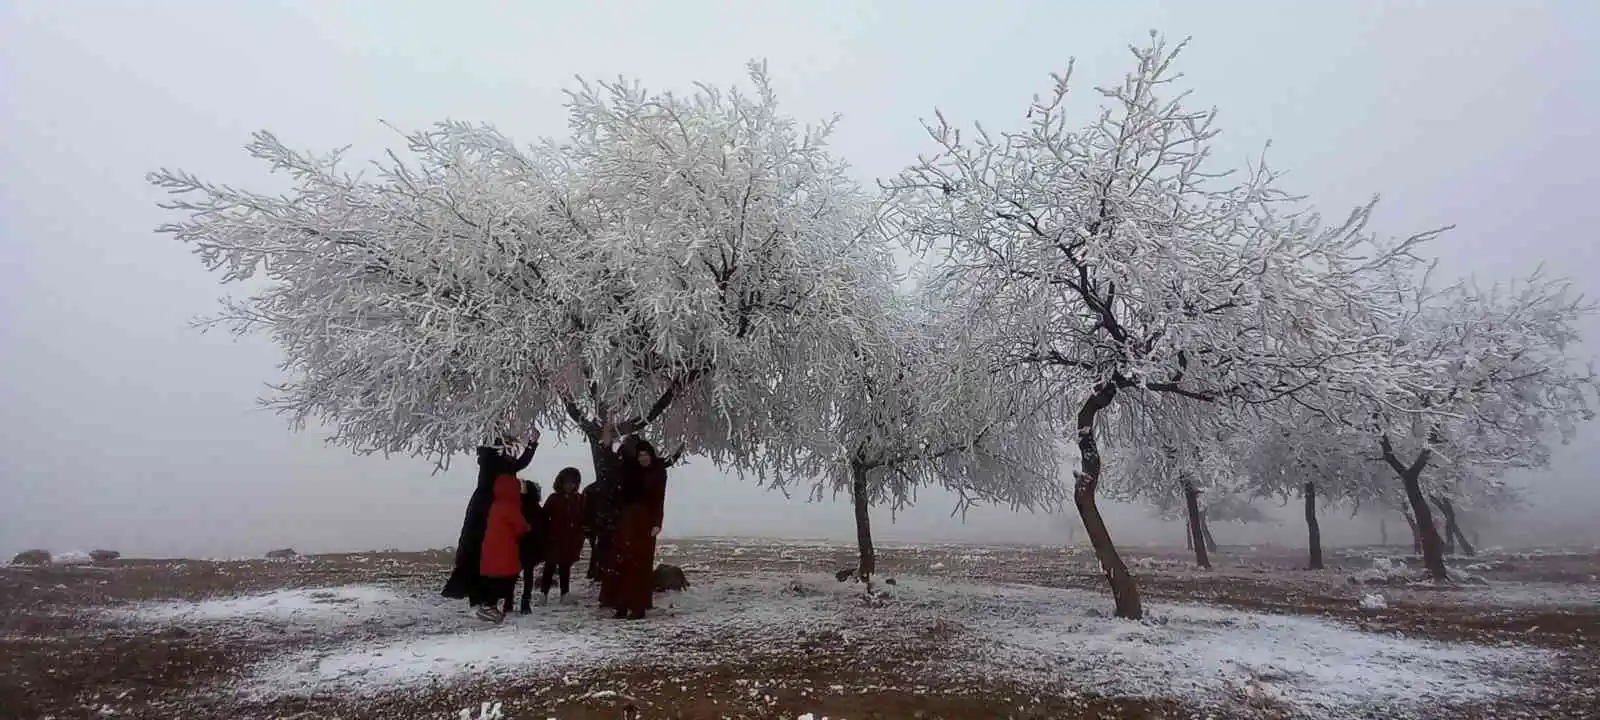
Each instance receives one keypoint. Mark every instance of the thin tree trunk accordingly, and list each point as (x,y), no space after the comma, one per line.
(1205,532)
(1188,532)
(1416,535)
(1411,478)
(862,498)
(1191,500)
(1448,536)
(1313,530)
(1383,533)
(1124,589)
(1452,528)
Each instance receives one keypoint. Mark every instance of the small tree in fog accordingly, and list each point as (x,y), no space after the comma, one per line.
(930,412)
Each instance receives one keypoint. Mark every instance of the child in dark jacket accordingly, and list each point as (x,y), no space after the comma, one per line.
(565,527)
(532,546)
(500,559)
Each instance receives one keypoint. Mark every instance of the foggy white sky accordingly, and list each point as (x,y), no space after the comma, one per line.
(122,427)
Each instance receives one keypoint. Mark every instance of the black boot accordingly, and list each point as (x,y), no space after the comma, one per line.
(620,615)
(527,609)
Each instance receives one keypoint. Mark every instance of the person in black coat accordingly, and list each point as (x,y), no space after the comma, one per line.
(493,461)
(530,548)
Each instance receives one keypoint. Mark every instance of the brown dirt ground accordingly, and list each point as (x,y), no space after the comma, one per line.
(56,662)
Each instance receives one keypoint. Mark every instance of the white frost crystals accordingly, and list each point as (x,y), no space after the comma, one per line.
(658,265)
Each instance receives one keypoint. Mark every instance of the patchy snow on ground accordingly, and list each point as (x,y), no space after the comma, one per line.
(374,667)
(1317,666)
(1383,571)
(290,609)
(72,557)
(366,640)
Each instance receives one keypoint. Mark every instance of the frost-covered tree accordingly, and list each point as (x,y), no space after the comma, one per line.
(931,412)
(1489,377)
(1120,263)
(683,262)
(1291,452)
(1179,459)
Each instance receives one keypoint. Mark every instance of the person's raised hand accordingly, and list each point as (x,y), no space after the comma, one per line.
(533,436)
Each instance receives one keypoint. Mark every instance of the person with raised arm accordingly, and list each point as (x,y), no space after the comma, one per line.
(499,457)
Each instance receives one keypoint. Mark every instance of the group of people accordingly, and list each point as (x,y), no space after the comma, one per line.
(507,532)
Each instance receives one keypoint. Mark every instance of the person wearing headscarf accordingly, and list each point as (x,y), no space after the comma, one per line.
(641,499)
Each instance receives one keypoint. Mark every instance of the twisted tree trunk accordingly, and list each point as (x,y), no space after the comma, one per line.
(1313,530)
(1124,589)
(1411,478)
(1452,529)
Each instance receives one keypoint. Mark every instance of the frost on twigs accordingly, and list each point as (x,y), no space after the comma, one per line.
(1113,261)
(924,408)
(687,261)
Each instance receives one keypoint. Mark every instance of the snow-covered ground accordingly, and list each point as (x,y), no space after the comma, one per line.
(381,638)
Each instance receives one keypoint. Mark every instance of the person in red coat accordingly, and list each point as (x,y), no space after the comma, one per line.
(500,559)
(641,500)
(564,531)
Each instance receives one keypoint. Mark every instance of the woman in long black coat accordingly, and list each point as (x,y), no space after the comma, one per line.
(493,462)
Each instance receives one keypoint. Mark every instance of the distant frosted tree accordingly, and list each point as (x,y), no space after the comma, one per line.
(932,412)
(682,262)
(1488,378)
(1296,453)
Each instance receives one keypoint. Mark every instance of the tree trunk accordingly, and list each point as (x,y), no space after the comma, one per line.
(1188,532)
(1411,478)
(1313,530)
(1205,532)
(1383,532)
(1448,536)
(1416,535)
(1452,529)
(1124,589)
(599,456)
(1191,499)
(861,495)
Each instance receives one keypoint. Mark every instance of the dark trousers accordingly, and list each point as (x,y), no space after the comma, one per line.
(550,571)
(527,587)
(491,590)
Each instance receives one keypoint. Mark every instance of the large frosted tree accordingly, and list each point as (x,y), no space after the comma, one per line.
(1117,258)
(672,264)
